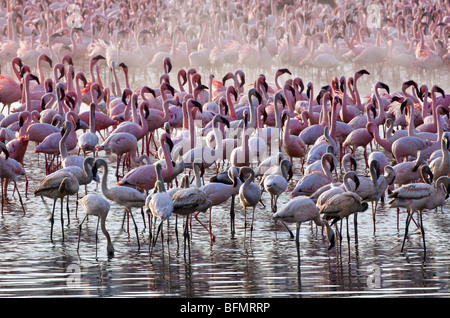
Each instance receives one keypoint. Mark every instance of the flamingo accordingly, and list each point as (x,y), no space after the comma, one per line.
(159,203)
(419,197)
(57,185)
(441,165)
(358,138)
(88,140)
(329,190)
(125,196)
(408,171)
(249,192)
(219,193)
(9,169)
(300,210)
(275,181)
(67,159)
(190,200)
(96,205)
(122,143)
(294,146)
(144,177)
(308,184)
(10,91)
(208,155)
(341,206)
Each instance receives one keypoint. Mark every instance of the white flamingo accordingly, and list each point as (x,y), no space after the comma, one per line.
(301,210)
(249,192)
(96,205)
(122,195)
(419,197)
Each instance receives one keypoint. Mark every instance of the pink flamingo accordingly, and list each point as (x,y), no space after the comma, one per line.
(156,120)
(50,145)
(218,193)
(10,91)
(294,146)
(139,126)
(186,138)
(102,121)
(372,128)
(144,177)
(431,126)
(311,133)
(9,169)
(68,160)
(13,117)
(302,210)
(309,184)
(358,138)
(408,171)
(348,112)
(122,143)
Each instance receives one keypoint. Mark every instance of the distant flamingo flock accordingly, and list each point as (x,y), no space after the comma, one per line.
(164,93)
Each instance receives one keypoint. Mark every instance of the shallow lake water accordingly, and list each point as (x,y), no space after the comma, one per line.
(258,263)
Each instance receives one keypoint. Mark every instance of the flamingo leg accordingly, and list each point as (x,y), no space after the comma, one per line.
(3,198)
(297,244)
(20,197)
(423,234)
(187,237)
(408,219)
(135,228)
(62,218)
(232,215)
(52,219)
(79,231)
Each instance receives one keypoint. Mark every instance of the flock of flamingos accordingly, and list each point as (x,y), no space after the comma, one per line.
(75,90)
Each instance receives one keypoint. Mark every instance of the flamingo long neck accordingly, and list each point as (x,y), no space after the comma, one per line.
(168,159)
(166,111)
(230,103)
(410,118)
(143,121)
(347,184)
(352,96)
(191,128)
(218,149)
(198,180)
(41,73)
(289,102)
(109,245)
(92,119)
(406,94)
(311,101)
(440,129)
(373,175)
(134,116)
(357,97)
(91,70)
(287,135)
(105,189)
(245,146)
(116,80)
(333,123)
(324,115)
(69,79)
(434,105)
(27,95)
(345,112)
(381,116)
(383,142)
(78,87)
(62,144)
